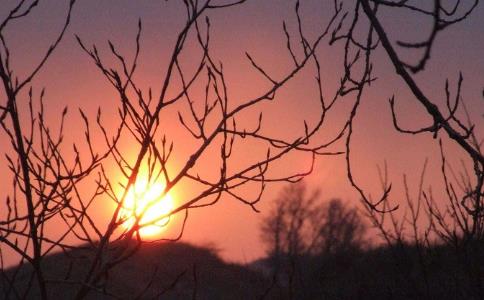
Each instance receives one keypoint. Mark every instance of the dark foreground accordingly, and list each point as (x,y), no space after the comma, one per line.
(182,271)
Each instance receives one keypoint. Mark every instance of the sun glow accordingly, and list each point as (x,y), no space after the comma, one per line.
(146,202)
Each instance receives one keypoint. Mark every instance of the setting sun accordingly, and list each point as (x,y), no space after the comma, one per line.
(146,201)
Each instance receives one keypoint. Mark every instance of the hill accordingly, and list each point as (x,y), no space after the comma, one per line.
(183,271)
(167,270)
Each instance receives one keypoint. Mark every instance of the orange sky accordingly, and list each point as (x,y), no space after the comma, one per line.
(71,79)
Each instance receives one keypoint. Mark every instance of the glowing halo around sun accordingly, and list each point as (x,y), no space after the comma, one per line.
(146,201)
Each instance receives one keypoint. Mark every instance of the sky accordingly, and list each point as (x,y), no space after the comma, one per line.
(70,78)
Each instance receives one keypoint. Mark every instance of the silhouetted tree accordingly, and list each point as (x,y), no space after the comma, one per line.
(48,179)
(361,35)
(301,223)
(427,221)
(301,231)
(293,222)
(342,229)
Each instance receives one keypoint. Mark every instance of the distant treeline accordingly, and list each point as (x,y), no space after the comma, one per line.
(182,271)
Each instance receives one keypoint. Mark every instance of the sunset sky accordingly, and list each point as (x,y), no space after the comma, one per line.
(70,78)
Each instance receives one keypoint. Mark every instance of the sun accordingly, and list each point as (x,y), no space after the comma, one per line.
(145,200)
